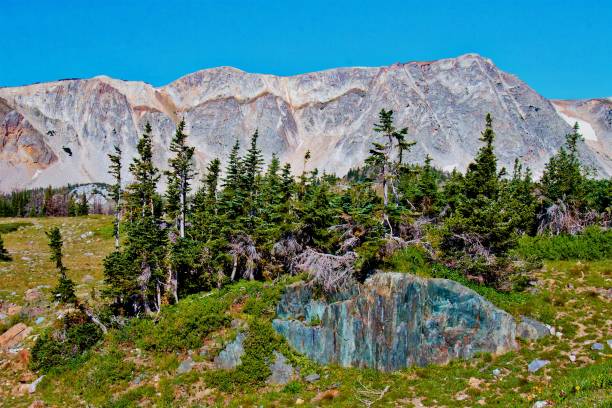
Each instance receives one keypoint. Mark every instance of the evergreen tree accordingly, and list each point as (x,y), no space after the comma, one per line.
(481,177)
(427,195)
(115,172)
(563,177)
(64,291)
(136,276)
(381,154)
(4,255)
(82,207)
(179,177)
(146,175)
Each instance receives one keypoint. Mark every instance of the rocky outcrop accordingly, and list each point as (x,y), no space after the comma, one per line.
(392,321)
(330,113)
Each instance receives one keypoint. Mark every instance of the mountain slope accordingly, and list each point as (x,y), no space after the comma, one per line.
(330,113)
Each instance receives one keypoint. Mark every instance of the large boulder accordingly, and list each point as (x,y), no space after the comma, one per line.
(392,321)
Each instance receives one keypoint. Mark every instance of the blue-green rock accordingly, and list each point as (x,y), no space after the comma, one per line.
(392,321)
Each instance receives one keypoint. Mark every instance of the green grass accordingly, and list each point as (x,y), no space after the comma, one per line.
(568,295)
(593,244)
(6,227)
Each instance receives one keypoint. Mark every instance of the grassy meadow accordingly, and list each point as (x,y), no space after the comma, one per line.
(137,365)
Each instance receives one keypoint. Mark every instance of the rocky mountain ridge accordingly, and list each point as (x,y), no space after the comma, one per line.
(60,132)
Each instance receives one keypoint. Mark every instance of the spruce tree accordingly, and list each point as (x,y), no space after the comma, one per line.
(564,177)
(179,177)
(381,154)
(146,175)
(115,192)
(481,177)
(4,255)
(82,207)
(64,291)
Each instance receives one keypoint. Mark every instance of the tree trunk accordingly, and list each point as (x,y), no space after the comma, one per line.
(182,209)
(235,267)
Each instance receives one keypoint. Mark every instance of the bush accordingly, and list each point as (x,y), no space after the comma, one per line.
(56,347)
(179,327)
(411,260)
(593,244)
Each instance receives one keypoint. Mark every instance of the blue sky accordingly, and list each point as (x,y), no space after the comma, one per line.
(563,49)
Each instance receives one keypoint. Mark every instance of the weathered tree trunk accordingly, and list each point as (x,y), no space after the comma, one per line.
(143,279)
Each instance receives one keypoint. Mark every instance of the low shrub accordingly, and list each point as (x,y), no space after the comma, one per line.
(179,327)
(58,346)
(592,244)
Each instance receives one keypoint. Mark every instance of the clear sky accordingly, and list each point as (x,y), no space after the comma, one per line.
(561,48)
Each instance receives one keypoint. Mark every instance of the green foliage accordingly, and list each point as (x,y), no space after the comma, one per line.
(4,254)
(592,244)
(564,177)
(7,227)
(56,347)
(179,327)
(411,260)
(64,290)
(259,346)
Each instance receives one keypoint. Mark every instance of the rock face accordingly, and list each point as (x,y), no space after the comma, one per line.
(392,321)
(330,113)
(594,116)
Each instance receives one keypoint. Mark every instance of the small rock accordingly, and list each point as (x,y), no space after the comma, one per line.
(535,365)
(282,371)
(552,330)
(87,279)
(530,329)
(86,234)
(13,310)
(299,401)
(572,358)
(542,404)
(88,254)
(39,320)
(13,336)
(570,286)
(138,379)
(37,404)
(610,343)
(32,295)
(326,395)
(597,347)
(497,372)
(229,357)
(312,378)
(32,387)
(185,366)
(3,316)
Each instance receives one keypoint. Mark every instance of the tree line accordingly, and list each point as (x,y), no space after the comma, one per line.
(250,221)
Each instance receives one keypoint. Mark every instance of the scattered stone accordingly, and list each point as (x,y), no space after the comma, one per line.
(13,310)
(497,372)
(32,387)
(535,365)
(185,366)
(32,295)
(559,334)
(229,357)
(87,279)
(597,347)
(239,324)
(88,254)
(461,396)
(551,329)
(610,343)
(13,336)
(86,234)
(37,404)
(572,358)
(312,378)
(3,316)
(570,286)
(282,371)
(39,320)
(326,395)
(542,404)
(25,258)
(531,329)
(138,379)
(299,401)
